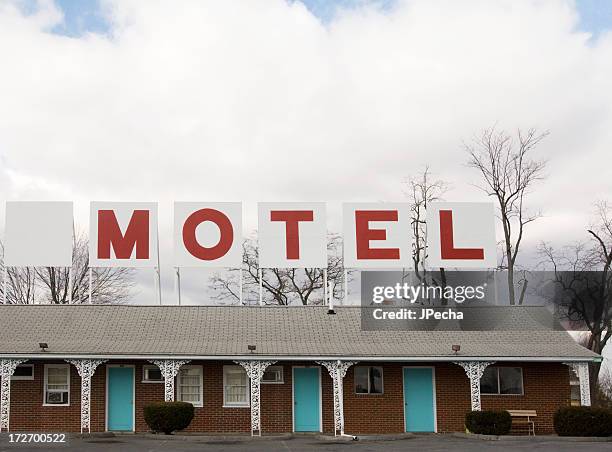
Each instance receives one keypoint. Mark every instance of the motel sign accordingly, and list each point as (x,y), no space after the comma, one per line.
(290,235)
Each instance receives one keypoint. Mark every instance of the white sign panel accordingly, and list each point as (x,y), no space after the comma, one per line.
(377,235)
(207,234)
(461,234)
(38,234)
(123,234)
(292,235)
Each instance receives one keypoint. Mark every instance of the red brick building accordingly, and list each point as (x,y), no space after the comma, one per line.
(274,369)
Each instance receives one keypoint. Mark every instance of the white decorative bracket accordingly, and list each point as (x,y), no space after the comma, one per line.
(169,368)
(474,371)
(7,369)
(255,370)
(582,371)
(337,371)
(86,369)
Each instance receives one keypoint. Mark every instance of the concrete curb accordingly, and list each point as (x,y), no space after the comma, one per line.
(391,437)
(541,438)
(92,435)
(244,438)
(211,438)
(330,438)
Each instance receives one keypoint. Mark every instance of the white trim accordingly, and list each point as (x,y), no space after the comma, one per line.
(493,366)
(422,358)
(574,381)
(47,366)
(199,404)
(280,382)
(434,395)
(150,366)
(20,378)
(247,404)
(293,397)
(133,395)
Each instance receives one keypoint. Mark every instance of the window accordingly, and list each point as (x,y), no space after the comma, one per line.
(575,399)
(273,374)
(151,374)
(24,372)
(368,380)
(502,380)
(235,386)
(189,385)
(57,384)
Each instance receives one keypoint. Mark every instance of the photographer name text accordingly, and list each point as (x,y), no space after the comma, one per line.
(417,314)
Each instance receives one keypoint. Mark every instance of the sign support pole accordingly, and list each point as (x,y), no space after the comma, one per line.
(33,288)
(326,291)
(70,284)
(158,271)
(4,284)
(260,272)
(177,282)
(90,283)
(70,272)
(331,295)
(240,284)
(345,300)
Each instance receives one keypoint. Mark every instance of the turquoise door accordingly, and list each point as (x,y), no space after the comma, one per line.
(419,399)
(120,398)
(306,399)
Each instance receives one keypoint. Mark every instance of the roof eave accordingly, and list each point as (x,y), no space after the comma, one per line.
(421,358)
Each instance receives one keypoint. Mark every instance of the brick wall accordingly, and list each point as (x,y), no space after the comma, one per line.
(27,410)
(375,413)
(546,387)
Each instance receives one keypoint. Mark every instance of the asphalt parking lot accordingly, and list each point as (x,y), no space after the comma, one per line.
(136,443)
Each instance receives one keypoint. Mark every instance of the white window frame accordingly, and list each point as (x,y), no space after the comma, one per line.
(276,382)
(144,374)
(17,377)
(246,404)
(498,393)
(382,374)
(200,369)
(574,383)
(45,382)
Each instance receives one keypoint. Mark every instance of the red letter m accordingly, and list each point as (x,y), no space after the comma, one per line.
(136,234)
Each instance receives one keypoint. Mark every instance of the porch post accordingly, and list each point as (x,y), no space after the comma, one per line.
(582,371)
(474,371)
(7,369)
(86,369)
(169,368)
(255,370)
(337,371)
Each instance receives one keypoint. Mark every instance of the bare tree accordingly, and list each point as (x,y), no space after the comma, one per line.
(421,189)
(51,284)
(603,390)
(583,273)
(281,286)
(20,284)
(508,173)
(335,267)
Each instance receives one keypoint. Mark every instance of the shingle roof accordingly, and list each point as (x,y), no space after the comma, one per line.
(301,332)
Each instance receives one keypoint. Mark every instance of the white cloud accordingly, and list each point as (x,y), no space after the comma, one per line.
(242,100)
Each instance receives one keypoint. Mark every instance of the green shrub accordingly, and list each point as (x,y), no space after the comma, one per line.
(488,422)
(583,421)
(168,416)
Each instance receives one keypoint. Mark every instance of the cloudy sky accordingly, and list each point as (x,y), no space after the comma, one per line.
(276,100)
